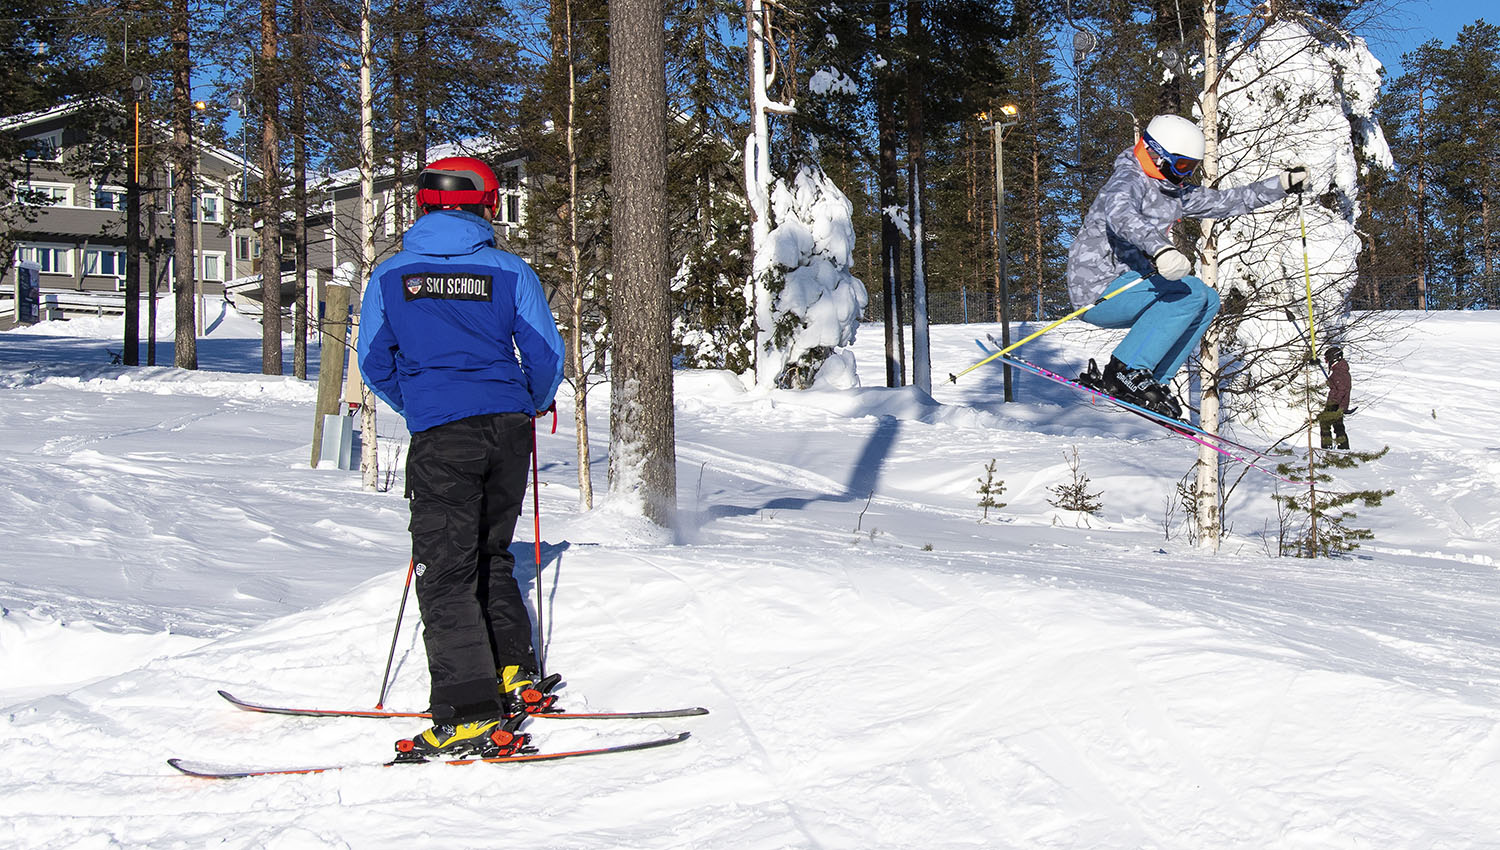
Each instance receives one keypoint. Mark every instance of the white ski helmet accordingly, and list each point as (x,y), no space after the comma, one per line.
(1175,145)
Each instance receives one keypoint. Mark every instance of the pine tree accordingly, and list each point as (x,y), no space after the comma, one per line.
(1315,521)
(1074,495)
(1470,194)
(1412,97)
(1035,183)
(990,491)
(712,324)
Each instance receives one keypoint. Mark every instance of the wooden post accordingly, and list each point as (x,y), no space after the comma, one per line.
(334,348)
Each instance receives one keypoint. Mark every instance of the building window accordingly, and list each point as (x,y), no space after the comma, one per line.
(52,259)
(46,147)
(208,207)
(109,198)
(42,194)
(388,212)
(106,262)
(213,265)
(247,247)
(510,194)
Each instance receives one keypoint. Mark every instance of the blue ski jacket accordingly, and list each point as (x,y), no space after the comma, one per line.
(442,323)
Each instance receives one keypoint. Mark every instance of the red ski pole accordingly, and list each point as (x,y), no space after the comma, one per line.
(536,515)
(385,677)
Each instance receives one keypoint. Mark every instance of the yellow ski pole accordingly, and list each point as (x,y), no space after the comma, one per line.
(953,378)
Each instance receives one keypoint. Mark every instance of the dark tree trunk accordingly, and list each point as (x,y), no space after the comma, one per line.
(299,185)
(890,234)
(270,208)
(642,451)
(186,341)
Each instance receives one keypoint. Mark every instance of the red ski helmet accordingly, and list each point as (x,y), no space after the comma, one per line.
(456,181)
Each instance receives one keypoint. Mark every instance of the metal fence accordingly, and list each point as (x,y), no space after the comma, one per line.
(1480,292)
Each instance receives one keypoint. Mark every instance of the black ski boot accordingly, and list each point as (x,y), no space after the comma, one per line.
(523,692)
(1092,378)
(1139,387)
(1169,405)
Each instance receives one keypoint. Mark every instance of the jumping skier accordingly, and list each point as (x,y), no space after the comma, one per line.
(1126,235)
(440,328)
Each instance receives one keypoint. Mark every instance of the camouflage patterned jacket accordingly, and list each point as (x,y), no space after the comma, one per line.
(1132,218)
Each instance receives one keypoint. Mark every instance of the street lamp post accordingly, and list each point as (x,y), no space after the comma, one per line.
(238,104)
(998,127)
(139,87)
(199,106)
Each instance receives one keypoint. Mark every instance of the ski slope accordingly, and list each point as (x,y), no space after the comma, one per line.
(884,669)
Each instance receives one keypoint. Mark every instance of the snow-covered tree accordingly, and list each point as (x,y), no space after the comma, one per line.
(1296,97)
(808,300)
(1286,93)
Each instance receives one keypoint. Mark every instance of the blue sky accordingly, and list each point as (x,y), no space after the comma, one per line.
(1412,23)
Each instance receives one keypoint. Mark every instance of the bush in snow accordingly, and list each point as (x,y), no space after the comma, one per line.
(1075,495)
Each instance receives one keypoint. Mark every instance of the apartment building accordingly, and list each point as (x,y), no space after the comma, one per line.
(75,229)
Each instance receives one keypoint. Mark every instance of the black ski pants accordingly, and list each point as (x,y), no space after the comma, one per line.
(467,483)
(1332,420)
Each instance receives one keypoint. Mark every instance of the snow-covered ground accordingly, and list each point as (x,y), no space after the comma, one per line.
(884,670)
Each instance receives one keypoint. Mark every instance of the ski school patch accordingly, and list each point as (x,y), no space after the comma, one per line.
(453,287)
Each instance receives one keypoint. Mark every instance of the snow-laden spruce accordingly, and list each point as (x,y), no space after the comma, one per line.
(1297,98)
(808,301)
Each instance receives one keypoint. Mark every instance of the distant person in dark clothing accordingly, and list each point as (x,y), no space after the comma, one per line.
(1331,420)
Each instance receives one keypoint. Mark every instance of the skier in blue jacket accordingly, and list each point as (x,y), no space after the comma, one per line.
(1126,237)
(441,327)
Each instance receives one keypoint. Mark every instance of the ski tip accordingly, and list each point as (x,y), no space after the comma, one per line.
(183,767)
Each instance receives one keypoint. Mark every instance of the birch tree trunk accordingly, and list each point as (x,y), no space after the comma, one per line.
(1207,507)
(369,466)
(563,41)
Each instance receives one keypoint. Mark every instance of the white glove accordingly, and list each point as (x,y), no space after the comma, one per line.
(1295,179)
(1171,263)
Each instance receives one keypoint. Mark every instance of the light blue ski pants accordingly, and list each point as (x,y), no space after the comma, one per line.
(1166,319)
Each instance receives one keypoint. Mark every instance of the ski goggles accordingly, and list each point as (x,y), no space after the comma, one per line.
(1181,166)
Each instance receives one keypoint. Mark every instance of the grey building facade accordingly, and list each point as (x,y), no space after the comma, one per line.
(75,230)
